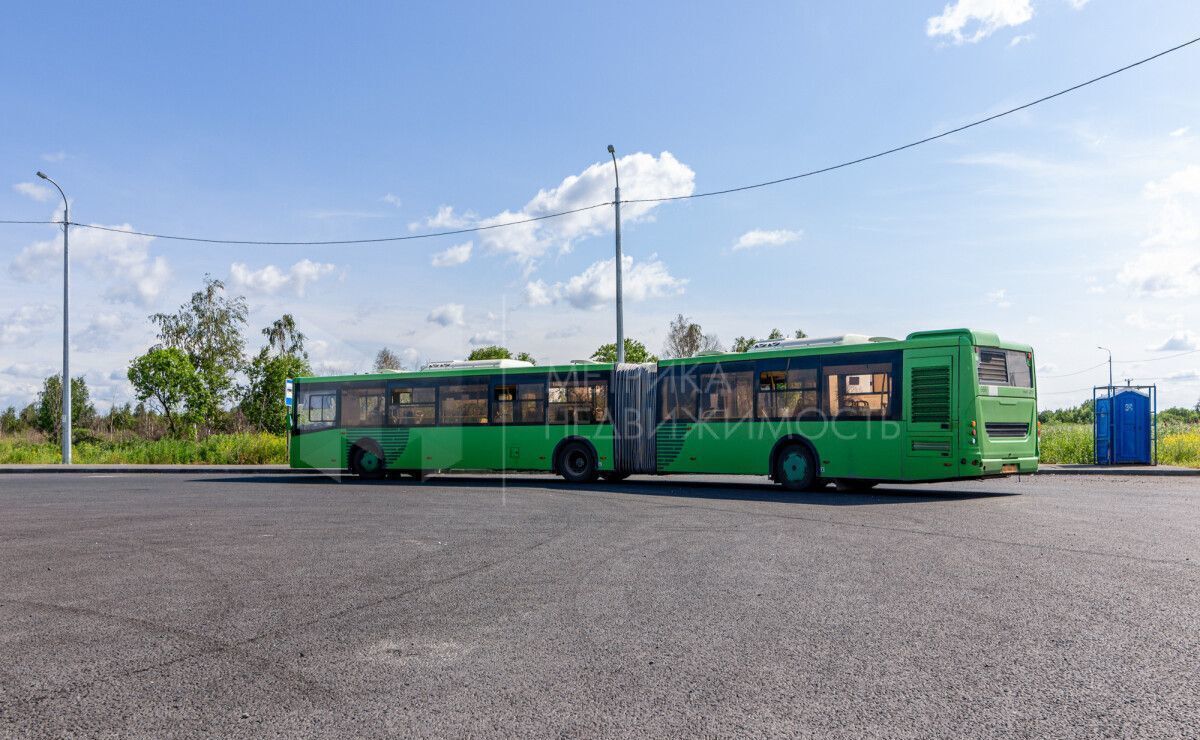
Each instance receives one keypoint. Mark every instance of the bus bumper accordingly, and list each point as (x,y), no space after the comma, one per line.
(1008,465)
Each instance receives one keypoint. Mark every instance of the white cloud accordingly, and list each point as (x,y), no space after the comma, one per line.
(642,176)
(445,218)
(54,156)
(452,256)
(40,193)
(1078,4)
(101,330)
(1047,367)
(1093,285)
(1018,40)
(271,279)
(999,298)
(1169,261)
(1180,341)
(764,238)
(537,293)
(485,337)
(19,324)
(121,258)
(985,17)
(1181,131)
(450,314)
(392,200)
(596,287)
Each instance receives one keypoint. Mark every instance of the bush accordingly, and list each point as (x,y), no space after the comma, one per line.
(1066,443)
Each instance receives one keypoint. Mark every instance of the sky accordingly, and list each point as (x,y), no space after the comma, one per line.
(1072,225)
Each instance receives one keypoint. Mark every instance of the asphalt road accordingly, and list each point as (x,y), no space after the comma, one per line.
(180,606)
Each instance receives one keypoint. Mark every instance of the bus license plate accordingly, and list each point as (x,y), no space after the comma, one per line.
(1008,469)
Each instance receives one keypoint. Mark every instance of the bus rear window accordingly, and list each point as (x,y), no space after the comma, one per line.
(1008,367)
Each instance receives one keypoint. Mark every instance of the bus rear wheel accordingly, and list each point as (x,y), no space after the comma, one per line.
(795,468)
(366,463)
(576,463)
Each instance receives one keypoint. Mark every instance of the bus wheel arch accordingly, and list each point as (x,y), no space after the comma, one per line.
(787,442)
(366,458)
(576,469)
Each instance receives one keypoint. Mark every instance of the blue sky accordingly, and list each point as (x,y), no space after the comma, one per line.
(1072,225)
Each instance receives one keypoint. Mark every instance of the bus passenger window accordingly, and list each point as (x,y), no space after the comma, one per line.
(317,410)
(726,396)
(787,394)
(464,404)
(413,407)
(503,404)
(362,407)
(531,403)
(859,391)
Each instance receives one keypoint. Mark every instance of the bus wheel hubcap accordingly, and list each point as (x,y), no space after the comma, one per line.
(576,462)
(369,461)
(794,466)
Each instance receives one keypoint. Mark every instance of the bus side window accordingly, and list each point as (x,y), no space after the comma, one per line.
(859,391)
(531,403)
(677,393)
(363,407)
(504,399)
(412,407)
(316,410)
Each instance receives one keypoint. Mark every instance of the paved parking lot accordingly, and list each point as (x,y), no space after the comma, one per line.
(181,605)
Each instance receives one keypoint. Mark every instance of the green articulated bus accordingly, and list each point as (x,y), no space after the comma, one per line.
(853,410)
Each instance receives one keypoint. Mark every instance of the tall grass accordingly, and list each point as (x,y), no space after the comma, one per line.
(217,449)
(1178,444)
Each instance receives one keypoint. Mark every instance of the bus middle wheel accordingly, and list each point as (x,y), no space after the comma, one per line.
(576,464)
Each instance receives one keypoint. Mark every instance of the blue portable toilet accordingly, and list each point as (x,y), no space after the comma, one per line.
(1123,428)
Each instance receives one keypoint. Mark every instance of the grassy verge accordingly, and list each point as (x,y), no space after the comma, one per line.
(218,449)
(1178,444)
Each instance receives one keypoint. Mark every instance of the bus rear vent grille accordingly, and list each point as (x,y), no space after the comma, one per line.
(931,395)
(993,368)
(1006,428)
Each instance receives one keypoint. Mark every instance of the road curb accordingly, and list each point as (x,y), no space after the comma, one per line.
(1146,472)
(158,469)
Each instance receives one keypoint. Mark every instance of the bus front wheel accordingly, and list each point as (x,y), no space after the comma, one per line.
(795,468)
(576,463)
(366,463)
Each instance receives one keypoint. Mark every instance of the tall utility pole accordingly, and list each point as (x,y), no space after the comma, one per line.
(66,373)
(620,300)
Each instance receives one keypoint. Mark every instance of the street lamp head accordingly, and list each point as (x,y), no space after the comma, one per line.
(42,175)
(611,150)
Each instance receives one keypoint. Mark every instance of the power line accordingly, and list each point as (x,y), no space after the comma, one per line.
(726,191)
(1156,359)
(1077,372)
(919,142)
(408,237)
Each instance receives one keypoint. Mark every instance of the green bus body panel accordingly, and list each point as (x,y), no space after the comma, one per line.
(937,444)
(447,448)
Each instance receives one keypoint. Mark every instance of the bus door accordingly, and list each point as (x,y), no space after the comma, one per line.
(931,414)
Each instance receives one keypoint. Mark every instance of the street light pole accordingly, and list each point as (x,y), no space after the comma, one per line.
(620,300)
(66,372)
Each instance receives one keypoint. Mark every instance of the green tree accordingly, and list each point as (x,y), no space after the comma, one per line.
(208,329)
(685,338)
(526,357)
(490,352)
(167,377)
(283,357)
(635,352)
(743,344)
(10,423)
(49,406)
(387,361)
